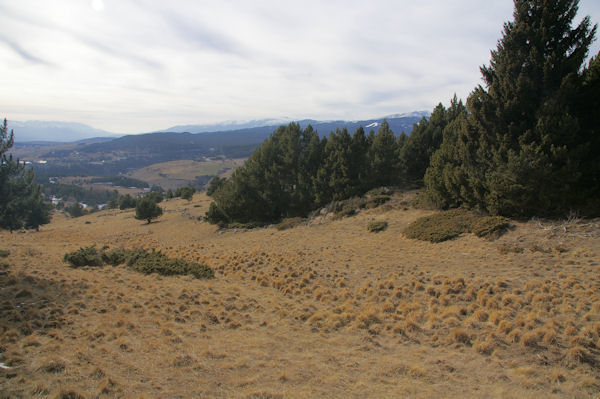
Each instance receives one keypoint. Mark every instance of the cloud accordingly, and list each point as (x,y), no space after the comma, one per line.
(143,65)
(24,54)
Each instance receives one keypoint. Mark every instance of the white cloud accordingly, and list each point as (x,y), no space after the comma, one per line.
(141,65)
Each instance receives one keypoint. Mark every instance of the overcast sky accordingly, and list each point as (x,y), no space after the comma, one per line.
(131,66)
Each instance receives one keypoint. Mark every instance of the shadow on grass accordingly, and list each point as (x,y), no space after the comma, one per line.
(30,304)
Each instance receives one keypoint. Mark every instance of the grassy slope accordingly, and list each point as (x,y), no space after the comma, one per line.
(327,310)
(176,174)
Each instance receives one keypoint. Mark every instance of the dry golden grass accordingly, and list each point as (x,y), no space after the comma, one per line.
(319,310)
(174,174)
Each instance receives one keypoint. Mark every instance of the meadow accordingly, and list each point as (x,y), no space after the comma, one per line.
(175,174)
(330,308)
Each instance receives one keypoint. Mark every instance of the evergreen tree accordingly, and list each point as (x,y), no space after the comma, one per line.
(334,180)
(383,158)
(359,167)
(21,203)
(75,210)
(213,185)
(310,162)
(146,209)
(126,202)
(520,150)
(425,138)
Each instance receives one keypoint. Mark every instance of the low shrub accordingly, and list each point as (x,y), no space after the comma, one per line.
(377,226)
(157,262)
(439,227)
(489,225)
(244,226)
(4,253)
(377,200)
(446,225)
(380,191)
(139,260)
(346,212)
(88,256)
(115,257)
(423,201)
(349,204)
(289,223)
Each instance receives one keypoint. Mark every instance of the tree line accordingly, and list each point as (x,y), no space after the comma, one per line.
(526,143)
(295,170)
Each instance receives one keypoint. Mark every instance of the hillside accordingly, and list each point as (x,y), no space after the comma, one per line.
(321,310)
(175,174)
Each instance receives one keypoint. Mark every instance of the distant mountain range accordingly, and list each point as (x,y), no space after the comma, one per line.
(55,132)
(44,132)
(109,156)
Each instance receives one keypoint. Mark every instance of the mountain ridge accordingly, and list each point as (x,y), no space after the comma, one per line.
(38,131)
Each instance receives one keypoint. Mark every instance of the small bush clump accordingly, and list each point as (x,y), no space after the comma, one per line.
(348,205)
(139,260)
(243,226)
(115,257)
(289,223)
(487,226)
(377,200)
(446,225)
(156,262)
(346,212)
(4,253)
(377,226)
(88,256)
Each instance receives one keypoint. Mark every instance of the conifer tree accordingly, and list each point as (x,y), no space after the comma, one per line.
(21,203)
(147,209)
(520,150)
(383,158)
(334,180)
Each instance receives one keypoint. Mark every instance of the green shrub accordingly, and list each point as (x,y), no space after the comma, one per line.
(344,213)
(423,200)
(380,191)
(349,204)
(446,225)
(88,256)
(4,253)
(244,226)
(377,200)
(115,257)
(139,260)
(156,262)
(377,226)
(146,209)
(290,223)
(126,202)
(490,225)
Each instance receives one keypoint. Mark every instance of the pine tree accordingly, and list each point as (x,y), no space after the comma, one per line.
(359,167)
(146,209)
(425,138)
(383,158)
(334,180)
(519,152)
(21,203)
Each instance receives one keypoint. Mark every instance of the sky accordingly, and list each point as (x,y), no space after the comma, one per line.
(130,66)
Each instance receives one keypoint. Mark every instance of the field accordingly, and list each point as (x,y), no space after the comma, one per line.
(175,174)
(327,309)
